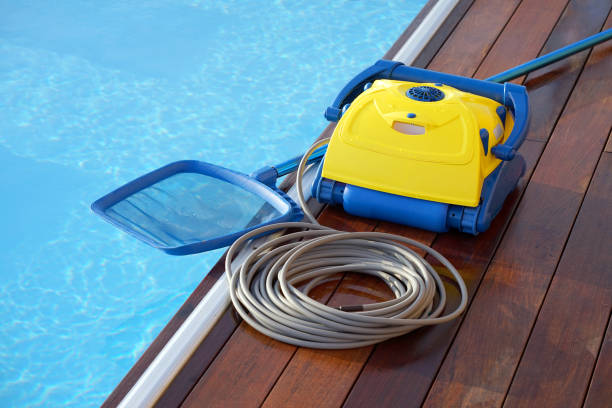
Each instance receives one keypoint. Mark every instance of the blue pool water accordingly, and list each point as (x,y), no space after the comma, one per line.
(93,94)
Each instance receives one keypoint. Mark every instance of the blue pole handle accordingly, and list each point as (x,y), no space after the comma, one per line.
(381,69)
(291,165)
(269,174)
(552,57)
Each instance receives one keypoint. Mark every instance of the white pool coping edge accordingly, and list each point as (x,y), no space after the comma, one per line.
(177,351)
(425,31)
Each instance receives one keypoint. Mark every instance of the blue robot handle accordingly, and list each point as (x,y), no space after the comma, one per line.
(515,97)
(380,70)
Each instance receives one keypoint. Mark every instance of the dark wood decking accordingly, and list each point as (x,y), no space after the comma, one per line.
(537,331)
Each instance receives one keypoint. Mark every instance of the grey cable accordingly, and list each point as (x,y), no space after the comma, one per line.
(264,288)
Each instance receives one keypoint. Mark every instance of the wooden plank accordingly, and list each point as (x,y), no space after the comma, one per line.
(523,37)
(199,360)
(609,144)
(580,19)
(439,38)
(562,350)
(600,389)
(479,366)
(472,38)
(250,363)
(229,381)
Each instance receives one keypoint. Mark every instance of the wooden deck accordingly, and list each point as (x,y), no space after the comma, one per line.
(537,331)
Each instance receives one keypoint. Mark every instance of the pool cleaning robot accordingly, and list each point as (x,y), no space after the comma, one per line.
(412,146)
(422,148)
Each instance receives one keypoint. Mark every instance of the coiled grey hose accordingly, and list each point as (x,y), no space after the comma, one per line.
(264,288)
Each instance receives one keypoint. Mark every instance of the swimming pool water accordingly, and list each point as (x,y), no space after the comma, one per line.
(93,94)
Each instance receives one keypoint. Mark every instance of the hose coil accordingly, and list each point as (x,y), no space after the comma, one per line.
(264,288)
